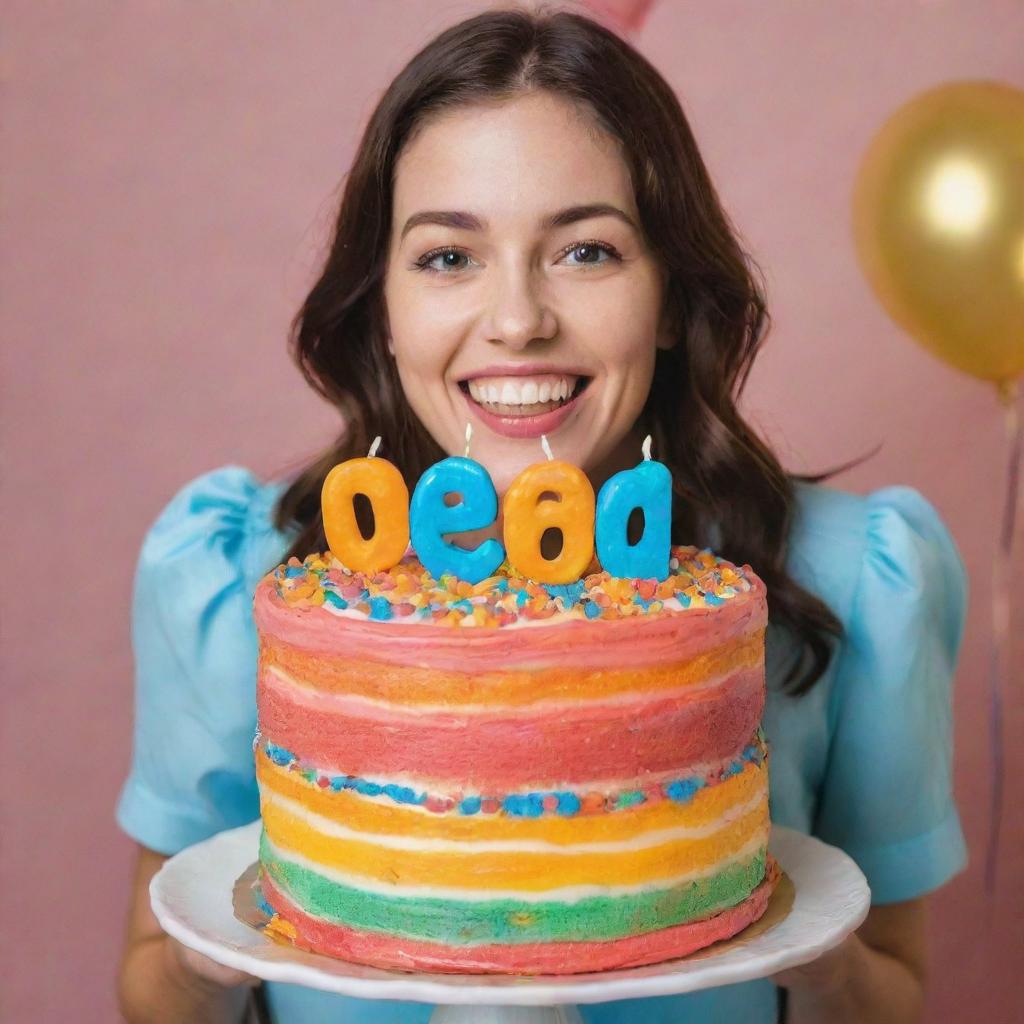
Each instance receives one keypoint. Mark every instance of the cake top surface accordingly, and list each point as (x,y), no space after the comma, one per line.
(409,593)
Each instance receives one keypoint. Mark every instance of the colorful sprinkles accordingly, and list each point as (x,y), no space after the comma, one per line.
(697,579)
(565,803)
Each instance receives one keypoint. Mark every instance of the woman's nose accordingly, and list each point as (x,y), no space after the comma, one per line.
(519,314)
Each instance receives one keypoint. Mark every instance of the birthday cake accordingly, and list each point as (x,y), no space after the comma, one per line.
(510,776)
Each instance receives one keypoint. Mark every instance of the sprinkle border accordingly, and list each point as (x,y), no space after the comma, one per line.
(697,579)
(536,804)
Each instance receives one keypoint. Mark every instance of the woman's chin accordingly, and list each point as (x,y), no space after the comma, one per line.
(504,471)
(504,464)
(507,452)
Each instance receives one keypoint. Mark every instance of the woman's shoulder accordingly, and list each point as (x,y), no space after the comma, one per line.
(889,567)
(221,520)
(195,650)
(892,535)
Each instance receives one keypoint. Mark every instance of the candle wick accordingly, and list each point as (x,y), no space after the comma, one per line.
(547,448)
(374,447)
(469,437)
(646,447)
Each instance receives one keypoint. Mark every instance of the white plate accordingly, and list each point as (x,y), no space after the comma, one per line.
(192,900)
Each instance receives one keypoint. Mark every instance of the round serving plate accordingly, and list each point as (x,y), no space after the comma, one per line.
(823,898)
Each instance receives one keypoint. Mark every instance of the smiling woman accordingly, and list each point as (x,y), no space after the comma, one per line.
(528,242)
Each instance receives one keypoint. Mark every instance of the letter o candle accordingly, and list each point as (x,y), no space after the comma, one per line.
(381,482)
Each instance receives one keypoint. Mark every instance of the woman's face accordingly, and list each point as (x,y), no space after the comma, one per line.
(509,306)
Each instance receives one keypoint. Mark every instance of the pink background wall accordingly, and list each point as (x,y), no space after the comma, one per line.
(168,180)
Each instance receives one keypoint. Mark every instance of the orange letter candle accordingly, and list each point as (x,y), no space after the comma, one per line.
(528,514)
(382,484)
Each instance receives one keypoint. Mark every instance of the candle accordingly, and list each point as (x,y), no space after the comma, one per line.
(648,487)
(431,517)
(529,512)
(382,484)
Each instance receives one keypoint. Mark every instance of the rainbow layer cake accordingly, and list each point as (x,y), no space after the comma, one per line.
(512,777)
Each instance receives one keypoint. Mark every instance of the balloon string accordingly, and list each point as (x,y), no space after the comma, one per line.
(1000,658)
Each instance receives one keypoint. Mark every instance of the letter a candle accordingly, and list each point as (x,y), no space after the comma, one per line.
(647,487)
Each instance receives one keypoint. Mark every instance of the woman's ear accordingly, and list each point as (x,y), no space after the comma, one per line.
(668,323)
(668,329)
(387,334)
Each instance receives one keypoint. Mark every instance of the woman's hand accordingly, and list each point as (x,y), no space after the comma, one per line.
(876,975)
(196,968)
(830,973)
(162,981)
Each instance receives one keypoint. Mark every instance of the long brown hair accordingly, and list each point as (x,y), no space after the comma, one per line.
(731,492)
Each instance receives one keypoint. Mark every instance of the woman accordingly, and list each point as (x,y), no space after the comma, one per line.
(528,199)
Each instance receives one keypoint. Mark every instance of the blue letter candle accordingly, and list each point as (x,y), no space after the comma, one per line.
(648,486)
(430,518)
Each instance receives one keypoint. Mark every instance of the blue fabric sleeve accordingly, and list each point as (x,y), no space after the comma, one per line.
(195,651)
(887,797)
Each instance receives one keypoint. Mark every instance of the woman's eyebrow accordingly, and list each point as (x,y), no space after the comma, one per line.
(470,222)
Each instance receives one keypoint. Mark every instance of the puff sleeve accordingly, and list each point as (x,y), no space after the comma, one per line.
(195,651)
(887,795)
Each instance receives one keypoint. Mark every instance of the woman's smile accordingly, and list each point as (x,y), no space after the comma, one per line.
(524,400)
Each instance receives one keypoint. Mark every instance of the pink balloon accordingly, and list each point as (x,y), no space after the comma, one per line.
(624,16)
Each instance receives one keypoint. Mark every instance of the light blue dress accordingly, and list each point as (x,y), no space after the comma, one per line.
(863,760)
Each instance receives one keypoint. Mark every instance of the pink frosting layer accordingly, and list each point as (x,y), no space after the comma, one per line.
(665,636)
(588,744)
(394,952)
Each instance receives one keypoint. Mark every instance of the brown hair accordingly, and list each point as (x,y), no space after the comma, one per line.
(731,492)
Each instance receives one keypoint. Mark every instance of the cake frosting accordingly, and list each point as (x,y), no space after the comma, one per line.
(510,776)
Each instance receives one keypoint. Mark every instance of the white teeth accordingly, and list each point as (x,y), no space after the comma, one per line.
(521,391)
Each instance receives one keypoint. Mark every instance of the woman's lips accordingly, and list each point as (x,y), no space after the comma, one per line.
(520,426)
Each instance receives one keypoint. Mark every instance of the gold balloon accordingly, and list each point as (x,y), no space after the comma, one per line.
(939,224)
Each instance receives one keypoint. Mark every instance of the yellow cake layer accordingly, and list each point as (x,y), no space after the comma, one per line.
(385,817)
(528,871)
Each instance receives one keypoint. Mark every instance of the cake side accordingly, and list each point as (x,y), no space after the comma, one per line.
(535,799)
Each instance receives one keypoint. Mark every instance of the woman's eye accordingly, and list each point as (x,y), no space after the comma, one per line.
(447,260)
(588,250)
